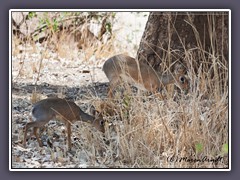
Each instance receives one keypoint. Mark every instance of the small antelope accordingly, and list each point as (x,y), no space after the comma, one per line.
(45,110)
(126,68)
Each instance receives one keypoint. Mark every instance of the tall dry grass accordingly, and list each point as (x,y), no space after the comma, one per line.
(180,131)
(151,133)
(185,131)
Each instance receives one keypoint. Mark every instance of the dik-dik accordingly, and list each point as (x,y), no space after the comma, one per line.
(141,75)
(67,111)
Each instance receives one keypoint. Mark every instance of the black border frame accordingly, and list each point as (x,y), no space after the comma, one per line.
(120,169)
(234,88)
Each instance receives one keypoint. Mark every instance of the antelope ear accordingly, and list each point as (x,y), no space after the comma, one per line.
(179,68)
(94,112)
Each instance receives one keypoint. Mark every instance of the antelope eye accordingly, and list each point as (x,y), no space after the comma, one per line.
(182,79)
(101,123)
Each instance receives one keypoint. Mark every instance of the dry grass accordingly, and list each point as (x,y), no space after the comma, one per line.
(185,132)
(146,132)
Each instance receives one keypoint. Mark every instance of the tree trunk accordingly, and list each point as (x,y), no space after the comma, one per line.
(170,36)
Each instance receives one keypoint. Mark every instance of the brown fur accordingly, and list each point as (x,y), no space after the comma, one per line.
(67,111)
(126,68)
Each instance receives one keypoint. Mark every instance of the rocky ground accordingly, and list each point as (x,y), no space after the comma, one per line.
(78,80)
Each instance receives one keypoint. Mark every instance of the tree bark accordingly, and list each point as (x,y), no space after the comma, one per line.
(169,35)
